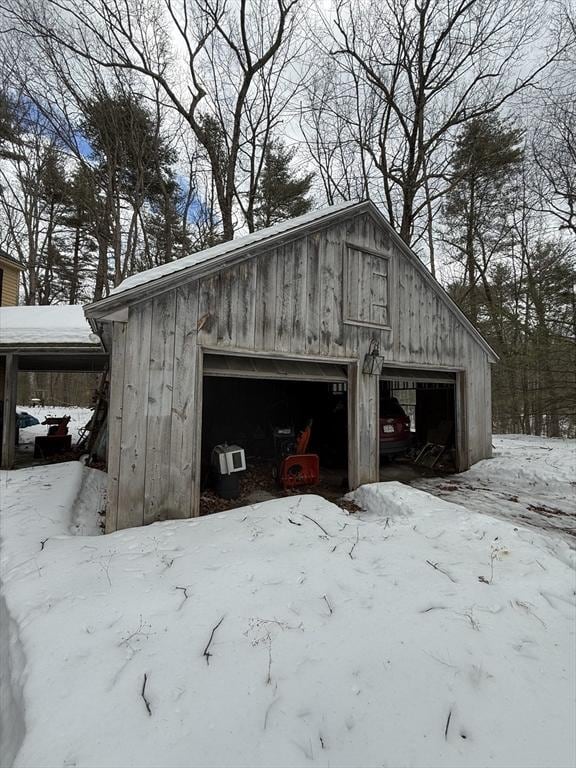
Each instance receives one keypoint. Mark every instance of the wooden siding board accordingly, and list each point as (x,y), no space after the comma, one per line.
(207,308)
(313,283)
(245,319)
(134,418)
(115,419)
(263,283)
(227,303)
(298,335)
(270,298)
(157,488)
(185,397)
(284,297)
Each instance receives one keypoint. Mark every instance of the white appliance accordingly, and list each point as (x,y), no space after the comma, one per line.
(227,459)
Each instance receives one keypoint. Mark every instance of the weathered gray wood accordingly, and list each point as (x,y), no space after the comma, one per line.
(300,297)
(462,446)
(9,412)
(367,388)
(354,437)
(208,309)
(266,301)
(326,260)
(291,302)
(227,305)
(160,387)
(134,417)
(313,281)
(246,274)
(284,298)
(116,397)
(185,397)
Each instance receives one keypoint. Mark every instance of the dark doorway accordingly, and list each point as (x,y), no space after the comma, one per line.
(246,411)
(427,402)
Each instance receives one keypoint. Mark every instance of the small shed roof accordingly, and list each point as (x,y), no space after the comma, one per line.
(46,326)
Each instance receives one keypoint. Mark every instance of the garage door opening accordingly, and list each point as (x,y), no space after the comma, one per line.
(417,423)
(246,401)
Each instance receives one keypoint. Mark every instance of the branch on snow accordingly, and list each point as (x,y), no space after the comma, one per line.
(206,652)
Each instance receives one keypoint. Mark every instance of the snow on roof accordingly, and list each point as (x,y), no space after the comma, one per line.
(222,249)
(53,325)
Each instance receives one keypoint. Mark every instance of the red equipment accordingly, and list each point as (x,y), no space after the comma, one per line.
(56,441)
(300,468)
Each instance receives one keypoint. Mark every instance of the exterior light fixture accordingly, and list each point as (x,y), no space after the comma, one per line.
(372,360)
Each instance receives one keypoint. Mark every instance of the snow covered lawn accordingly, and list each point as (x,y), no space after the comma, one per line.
(529,480)
(288,633)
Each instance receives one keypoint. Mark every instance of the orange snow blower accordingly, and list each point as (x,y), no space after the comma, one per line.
(298,468)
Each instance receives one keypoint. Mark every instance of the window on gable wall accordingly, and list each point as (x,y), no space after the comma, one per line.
(367,289)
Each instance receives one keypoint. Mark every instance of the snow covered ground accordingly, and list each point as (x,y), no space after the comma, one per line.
(288,633)
(529,480)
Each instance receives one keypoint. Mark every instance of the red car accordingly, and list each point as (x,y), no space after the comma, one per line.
(395,435)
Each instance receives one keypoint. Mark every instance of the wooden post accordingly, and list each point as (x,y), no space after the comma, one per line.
(461,416)
(363,445)
(9,411)
(353,436)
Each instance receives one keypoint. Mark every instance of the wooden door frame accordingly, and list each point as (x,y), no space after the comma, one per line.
(351,403)
(461,437)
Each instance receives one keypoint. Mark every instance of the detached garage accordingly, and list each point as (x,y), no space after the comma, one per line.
(313,320)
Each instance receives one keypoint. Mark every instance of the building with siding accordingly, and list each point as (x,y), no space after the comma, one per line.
(9,280)
(331,304)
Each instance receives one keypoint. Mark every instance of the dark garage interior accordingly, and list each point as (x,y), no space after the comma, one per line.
(247,411)
(427,399)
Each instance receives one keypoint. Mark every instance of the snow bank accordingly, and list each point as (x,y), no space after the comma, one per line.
(12,716)
(56,324)
(37,505)
(396,499)
(289,632)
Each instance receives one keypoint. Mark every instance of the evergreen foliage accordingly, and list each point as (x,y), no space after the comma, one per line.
(281,192)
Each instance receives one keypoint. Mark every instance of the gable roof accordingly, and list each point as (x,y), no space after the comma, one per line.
(168,276)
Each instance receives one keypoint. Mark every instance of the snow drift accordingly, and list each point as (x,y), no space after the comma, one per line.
(289,632)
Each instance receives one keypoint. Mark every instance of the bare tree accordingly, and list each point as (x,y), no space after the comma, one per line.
(207,57)
(554,137)
(419,70)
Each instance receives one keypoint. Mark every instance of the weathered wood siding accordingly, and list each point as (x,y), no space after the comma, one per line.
(286,301)
(153,411)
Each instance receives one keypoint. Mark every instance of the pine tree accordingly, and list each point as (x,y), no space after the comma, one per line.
(485,164)
(281,193)
(133,164)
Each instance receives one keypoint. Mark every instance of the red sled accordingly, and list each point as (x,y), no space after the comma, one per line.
(298,470)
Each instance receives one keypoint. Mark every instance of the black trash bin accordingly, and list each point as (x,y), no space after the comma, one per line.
(228,462)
